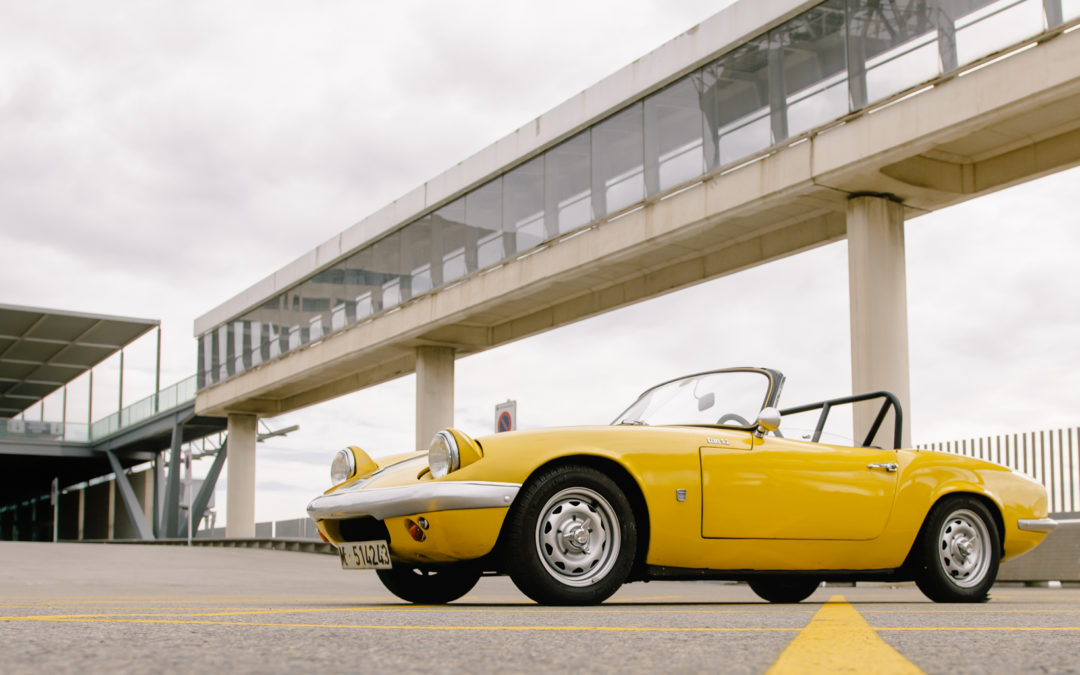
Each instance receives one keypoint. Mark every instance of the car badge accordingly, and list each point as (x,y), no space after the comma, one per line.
(717,441)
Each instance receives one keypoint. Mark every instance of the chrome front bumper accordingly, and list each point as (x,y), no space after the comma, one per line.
(406,500)
(1036,524)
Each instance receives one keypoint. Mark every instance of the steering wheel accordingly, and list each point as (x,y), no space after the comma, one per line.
(732,417)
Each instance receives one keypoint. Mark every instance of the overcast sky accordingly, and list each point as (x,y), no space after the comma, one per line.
(158,158)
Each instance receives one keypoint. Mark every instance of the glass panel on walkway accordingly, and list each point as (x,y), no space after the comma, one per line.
(983,28)
(483,212)
(523,204)
(617,167)
(891,47)
(674,129)
(735,100)
(567,184)
(814,77)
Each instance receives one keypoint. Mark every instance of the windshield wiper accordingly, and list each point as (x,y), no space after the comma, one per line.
(637,423)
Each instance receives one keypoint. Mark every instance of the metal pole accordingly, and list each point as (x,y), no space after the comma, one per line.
(63,416)
(157,373)
(187,465)
(120,402)
(54,493)
(90,407)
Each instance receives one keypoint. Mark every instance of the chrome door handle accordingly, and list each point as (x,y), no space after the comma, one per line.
(890,466)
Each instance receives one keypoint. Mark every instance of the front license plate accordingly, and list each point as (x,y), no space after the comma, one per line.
(365,555)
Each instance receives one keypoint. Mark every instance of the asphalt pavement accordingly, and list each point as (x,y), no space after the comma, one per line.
(137,608)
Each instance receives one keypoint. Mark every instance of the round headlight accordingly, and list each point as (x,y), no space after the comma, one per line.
(443,456)
(343,466)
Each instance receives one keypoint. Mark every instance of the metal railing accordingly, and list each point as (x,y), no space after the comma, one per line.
(1051,457)
(80,432)
(166,399)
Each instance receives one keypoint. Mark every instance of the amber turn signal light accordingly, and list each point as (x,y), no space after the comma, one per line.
(414,530)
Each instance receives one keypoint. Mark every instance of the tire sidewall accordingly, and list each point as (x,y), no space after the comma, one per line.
(784,589)
(523,559)
(445,585)
(932,578)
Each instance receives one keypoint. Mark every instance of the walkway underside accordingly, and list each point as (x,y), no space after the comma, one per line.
(1009,122)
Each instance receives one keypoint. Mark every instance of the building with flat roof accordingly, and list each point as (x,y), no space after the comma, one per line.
(42,351)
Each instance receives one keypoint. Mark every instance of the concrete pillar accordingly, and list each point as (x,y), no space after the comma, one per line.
(112,509)
(434,392)
(240,491)
(878,286)
(82,515)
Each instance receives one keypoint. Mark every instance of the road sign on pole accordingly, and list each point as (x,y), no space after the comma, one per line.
(506,416)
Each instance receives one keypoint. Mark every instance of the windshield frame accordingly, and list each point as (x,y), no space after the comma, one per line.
(772,396)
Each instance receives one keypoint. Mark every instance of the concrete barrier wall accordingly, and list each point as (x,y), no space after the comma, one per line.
(297,528)
(1056,559)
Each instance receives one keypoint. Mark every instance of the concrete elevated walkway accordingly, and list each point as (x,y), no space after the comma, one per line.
(963,135)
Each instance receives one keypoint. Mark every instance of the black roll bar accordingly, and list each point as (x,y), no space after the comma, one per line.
(825,406)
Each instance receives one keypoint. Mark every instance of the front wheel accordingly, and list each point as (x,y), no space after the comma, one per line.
(571,538)
(429,586)
(784,589)
(958,552)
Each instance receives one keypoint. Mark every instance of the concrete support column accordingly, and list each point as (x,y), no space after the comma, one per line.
(112,509)
(878,286)
(434,392)
(82,515)
(240,491)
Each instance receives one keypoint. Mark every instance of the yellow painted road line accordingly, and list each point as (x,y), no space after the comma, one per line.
(839,640)
(411,609)
(979,628)
(254,624)
(970,611)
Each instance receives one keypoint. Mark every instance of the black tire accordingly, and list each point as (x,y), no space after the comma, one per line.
(429,586)
(784,589)
(958,551)
(571,537)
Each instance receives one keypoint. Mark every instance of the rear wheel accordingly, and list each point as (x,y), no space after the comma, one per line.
(429,586)
(958,552)
(571,538)
(784,589)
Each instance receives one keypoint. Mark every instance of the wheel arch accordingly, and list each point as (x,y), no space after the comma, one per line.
(626,482)
(991,505)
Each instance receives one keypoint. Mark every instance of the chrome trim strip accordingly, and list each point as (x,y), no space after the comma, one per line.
(1037,524)
(405,500)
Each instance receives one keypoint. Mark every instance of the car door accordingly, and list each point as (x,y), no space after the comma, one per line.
(775,488)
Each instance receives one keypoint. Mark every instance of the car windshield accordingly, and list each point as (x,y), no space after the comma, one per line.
(733,397)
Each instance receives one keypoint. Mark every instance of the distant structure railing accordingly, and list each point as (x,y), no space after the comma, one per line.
(1051,457)
(169,397)
(296,528)
(80,432)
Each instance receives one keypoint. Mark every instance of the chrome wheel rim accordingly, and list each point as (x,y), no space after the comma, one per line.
(964,548)
(577,536)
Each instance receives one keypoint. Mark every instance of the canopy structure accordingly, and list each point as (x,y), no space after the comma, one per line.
(41,350)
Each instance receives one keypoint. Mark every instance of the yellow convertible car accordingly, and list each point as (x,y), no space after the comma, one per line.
(695,480)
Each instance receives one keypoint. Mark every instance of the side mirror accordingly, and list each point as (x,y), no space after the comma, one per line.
(706,401)
(768,420)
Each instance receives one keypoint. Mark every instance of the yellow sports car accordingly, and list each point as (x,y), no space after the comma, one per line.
(695,480)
